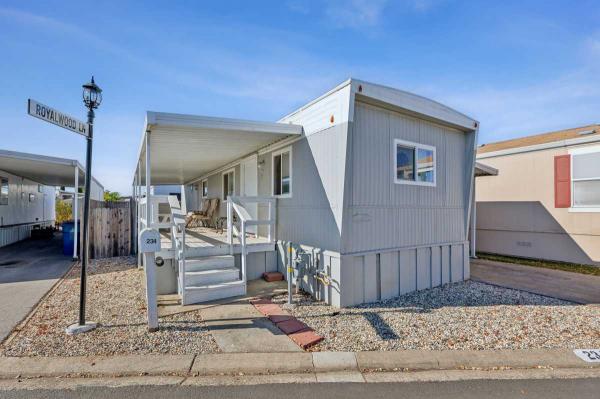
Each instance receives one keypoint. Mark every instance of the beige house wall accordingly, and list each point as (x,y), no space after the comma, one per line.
(516,213)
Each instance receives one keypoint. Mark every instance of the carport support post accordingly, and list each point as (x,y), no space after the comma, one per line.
(149,257)
(76,214)
(473,244)
(139,222)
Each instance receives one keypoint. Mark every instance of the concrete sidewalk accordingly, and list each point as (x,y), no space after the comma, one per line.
(346,365)
(574,287)
(29,269)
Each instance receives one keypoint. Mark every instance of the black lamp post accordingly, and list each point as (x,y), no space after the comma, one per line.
(92,97)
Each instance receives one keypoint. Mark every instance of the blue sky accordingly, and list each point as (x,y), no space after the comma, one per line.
(519,67)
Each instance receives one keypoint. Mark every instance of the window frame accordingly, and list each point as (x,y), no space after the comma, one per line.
(273,155)
(202,188)
(4,202)
(416,147)
(581,151)
(226,172)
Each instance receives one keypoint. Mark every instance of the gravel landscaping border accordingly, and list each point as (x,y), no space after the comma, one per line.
(458,316)
(115,300)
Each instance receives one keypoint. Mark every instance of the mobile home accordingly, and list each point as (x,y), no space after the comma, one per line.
(365,192)
(28,191)
(545,201)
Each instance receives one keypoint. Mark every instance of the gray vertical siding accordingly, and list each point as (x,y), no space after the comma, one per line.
(381,214)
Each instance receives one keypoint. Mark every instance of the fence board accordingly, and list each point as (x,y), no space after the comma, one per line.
(110,229)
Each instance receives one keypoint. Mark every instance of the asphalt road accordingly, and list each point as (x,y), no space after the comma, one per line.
(28,269)
(505,389)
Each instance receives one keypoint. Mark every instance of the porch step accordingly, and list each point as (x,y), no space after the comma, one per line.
(209,263)
(213,276)
(212,292)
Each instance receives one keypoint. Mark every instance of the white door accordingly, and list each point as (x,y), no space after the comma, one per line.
(249,186)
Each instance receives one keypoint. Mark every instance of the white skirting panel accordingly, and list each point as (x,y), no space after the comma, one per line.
(11,234)
(379,276)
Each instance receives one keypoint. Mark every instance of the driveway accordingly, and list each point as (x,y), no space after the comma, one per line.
(574,287)
(28,269)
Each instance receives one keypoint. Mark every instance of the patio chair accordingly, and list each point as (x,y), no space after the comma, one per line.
(208,219)
(191,219)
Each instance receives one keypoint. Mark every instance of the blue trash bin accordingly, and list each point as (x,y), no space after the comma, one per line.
(68,237)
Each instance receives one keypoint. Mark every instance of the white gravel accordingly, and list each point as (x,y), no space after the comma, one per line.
(116,300)
(466,315)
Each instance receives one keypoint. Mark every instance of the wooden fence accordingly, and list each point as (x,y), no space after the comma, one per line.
(110,228)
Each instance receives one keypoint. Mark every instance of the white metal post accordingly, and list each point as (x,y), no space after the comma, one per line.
(473,243)
(76,213)
(230,226)
(270,218)
(139,215)
(243,255)
(149,257)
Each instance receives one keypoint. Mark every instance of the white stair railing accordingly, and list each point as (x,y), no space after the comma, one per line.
(236,205)
(177,224)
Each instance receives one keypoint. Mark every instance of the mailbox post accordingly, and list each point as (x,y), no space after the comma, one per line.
(148,245)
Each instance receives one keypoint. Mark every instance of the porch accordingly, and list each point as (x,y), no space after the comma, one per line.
(180,149)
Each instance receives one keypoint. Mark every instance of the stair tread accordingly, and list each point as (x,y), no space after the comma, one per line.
(227,284)
(208,258)
(213,271)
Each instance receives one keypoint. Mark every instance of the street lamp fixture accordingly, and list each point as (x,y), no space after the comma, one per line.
(92,95)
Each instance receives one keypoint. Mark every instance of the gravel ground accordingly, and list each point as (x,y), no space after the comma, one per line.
(466,315)
(116,300)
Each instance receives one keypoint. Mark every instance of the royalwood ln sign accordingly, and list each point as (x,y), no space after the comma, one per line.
(55,117)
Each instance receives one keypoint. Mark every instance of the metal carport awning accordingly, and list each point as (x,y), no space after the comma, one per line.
(49,171)
(184,147)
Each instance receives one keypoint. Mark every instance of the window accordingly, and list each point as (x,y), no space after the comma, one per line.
(414,163)
(3,191)
(40,188)
(204,188)
(31,197)
(228,183)
(282,173)
(585,177)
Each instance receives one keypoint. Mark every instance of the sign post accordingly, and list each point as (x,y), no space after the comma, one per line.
(92,97)
(148,245)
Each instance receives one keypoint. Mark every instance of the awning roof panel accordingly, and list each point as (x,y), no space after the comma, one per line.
(184,147)
(50,171)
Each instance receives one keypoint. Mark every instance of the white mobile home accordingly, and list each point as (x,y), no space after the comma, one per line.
(365,191)
(28,191)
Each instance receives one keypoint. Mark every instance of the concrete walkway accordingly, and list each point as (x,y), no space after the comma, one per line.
(235,324)
(28,269)
(574,287)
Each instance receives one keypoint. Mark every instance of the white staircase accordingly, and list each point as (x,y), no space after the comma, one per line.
(210,278)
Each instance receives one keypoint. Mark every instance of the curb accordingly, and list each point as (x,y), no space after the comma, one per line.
(239,364)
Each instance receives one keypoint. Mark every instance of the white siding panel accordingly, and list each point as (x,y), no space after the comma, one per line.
(436,266)
(423,268)
(408,271)
(390,277)
(370,278)
(445,264)
(456,263)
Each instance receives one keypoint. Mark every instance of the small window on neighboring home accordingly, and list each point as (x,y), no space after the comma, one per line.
(586,179)
(204,188)
(282,173)
(3,191)
(40,188)
(31,197)
(228,184)
(414,163)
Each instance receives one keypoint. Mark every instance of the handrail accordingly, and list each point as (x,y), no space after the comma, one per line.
(234,204)
(177,230)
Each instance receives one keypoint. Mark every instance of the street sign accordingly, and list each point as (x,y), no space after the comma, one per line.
(55,117)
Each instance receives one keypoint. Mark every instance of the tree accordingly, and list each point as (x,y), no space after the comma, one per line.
(111,196)
(63,211)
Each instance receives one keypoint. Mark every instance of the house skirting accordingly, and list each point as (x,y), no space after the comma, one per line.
(377,275)
(14,233)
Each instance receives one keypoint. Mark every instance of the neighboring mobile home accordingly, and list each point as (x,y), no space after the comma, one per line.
(545,201)
(28,191)
(369,187)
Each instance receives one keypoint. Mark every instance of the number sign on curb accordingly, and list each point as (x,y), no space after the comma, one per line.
(588,355)
(55,117)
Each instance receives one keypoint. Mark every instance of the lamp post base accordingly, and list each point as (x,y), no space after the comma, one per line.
(76,328)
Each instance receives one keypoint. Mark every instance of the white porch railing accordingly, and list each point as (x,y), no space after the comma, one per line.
(236,204)
(161,218)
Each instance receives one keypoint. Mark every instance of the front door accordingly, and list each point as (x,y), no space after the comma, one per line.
(249,186)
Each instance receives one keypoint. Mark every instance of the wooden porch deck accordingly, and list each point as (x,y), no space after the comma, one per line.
(205,241)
